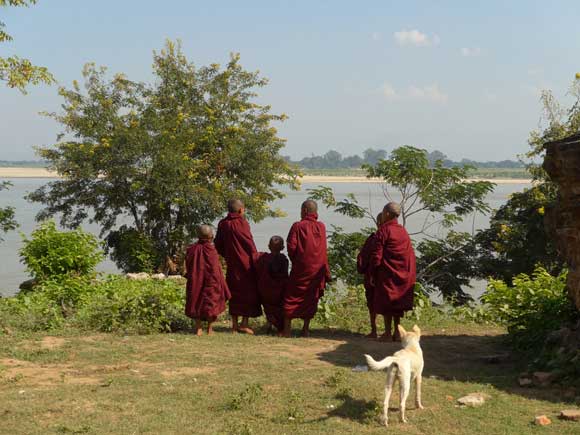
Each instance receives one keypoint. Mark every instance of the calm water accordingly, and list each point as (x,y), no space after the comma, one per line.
(12,272)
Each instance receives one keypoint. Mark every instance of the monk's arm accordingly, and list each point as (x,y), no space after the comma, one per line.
(292,242)
(248,240)
(376,251)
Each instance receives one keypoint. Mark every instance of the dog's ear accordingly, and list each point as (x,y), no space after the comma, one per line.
(416,330)
(402,330)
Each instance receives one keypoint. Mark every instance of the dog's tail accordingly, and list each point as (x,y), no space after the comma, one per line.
(380,365)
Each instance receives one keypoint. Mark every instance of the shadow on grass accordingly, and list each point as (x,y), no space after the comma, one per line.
(482,359)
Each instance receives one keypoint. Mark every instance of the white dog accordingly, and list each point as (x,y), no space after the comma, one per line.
(406,364)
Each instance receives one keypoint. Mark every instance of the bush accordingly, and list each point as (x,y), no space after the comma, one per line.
(530,308)
(30,312)
(51,253)
(131,250)
(118,304)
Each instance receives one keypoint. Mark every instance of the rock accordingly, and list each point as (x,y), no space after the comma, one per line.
(525,382)
(158,276)
(542,378)
(542,420)
(27,285)
(570,414)
(473,400)
(138,276)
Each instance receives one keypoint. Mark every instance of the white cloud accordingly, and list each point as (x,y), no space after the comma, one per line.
(470,52)
(416,38)
(430,92)
(389,92)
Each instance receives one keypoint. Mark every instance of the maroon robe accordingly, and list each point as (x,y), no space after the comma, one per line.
(235,243)
(306,247)
(363,266)
(272,273)
(206,288)
(392,262)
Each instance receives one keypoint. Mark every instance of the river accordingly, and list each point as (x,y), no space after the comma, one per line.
(12,271)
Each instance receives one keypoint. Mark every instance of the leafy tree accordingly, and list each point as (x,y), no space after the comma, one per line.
(167,156)
(7,222)
(15,71)
(441,196)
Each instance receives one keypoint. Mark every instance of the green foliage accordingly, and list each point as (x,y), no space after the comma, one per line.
(51,253)
(342,254)
(516,240)
(15,71)
(246,398)
(131,250)
(7,222)
(167,155)
(34,311)
(447,265)
(118,304)
(533,306)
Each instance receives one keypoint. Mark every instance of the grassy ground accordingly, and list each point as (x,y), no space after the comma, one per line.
(516,173)
(177,383)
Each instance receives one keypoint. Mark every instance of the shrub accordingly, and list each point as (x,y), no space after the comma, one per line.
(118,304)
(30,312)
(51,253)
(531,307)
(131,250)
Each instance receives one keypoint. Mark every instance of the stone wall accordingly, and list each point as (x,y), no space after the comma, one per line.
(562,163)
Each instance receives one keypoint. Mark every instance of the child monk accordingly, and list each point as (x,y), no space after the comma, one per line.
(364,267)
(272,274)
(206,288)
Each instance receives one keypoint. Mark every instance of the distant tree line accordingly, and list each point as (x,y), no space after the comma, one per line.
(23,164)
(335,160)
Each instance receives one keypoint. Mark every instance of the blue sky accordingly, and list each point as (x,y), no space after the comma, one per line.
(459,76)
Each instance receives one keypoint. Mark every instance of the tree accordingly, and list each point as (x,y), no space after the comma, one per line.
(7,222)
(441,197)
(516,241)
(15,71)
(372,157)
(167,156)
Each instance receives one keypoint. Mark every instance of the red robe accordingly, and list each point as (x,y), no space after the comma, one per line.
(272,273)
(363,266)
(392,262)
(310,272)
(206,288)
(235,243)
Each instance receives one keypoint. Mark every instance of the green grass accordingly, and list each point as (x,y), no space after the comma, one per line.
(178,383)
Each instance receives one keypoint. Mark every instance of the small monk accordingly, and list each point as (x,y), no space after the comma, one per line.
(272,273)
(363,267)
(310,271)
(235,243)
(206,288)
(392,265)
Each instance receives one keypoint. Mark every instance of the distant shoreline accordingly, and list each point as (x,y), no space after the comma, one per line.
(44,173)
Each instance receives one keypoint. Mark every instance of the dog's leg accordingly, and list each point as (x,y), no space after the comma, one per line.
(405,386)
(391,373)
(418,380)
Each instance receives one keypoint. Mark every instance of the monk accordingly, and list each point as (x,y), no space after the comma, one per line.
(235,244)
(310,272)
(272,272)
(363,267)
(206,288)
(392,264)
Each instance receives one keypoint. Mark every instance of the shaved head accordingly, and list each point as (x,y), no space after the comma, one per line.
(205,232)
(276,244)
(310,206)
(393,208)
(235,205)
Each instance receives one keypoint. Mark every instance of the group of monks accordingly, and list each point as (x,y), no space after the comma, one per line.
(256,280)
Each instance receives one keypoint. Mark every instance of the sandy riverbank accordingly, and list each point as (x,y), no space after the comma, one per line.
(43,173)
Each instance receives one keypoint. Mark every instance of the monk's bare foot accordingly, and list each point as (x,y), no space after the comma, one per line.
(386,337)
(199,332)
(210,331)
(246,330)
(372,335)
(235,330)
